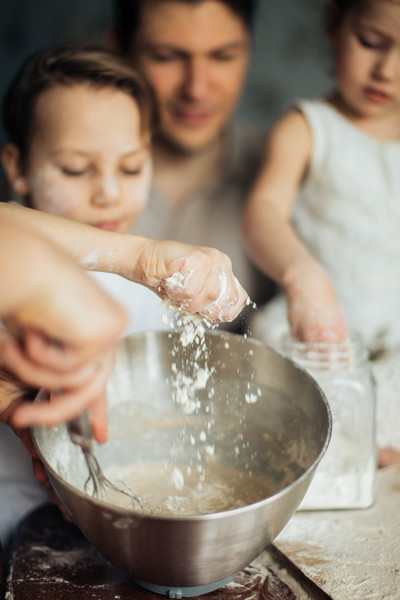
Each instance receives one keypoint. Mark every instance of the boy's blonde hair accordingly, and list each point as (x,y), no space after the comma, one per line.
(68,66)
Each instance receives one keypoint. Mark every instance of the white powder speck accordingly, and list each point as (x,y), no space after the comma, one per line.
(90,261)
(250,398)
(177,479)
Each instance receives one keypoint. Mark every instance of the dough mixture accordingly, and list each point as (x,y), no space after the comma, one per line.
(183,490)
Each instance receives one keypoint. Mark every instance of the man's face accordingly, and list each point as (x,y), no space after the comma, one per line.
(195,57)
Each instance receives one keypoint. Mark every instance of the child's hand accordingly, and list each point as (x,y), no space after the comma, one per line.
(313,310)
(197,279)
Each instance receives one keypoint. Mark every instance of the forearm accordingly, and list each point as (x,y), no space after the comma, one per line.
(203,281)
(94,249)
(19,249)
(313,310)
(274,246)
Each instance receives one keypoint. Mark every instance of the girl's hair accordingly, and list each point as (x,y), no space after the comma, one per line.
(337,10)
(69,66)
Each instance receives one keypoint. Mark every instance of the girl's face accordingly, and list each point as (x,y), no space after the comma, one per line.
(87,159)
(367,60)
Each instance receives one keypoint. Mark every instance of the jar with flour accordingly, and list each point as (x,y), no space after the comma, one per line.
(345,477)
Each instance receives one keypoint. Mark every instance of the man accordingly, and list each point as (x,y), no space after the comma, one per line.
(195,54)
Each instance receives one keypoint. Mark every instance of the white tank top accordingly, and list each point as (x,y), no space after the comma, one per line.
(348,214)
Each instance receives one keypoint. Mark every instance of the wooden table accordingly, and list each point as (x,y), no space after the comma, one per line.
(351,554)
(53,561)
(320,555)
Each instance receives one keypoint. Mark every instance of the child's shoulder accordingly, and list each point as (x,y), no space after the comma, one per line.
(289,138)
(301,113)
(317,117)
(306,128)
(292,124)
(314,111)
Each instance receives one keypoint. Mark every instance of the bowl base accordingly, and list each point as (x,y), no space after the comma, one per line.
(184,592)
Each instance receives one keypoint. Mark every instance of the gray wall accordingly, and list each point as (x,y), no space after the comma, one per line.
(290,56)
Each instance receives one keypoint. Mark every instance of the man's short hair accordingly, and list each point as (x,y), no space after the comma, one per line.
(127,15)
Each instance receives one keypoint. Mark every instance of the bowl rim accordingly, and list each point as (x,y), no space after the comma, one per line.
(124,511)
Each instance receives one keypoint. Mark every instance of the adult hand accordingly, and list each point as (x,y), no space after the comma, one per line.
(196,279)
(16,397)
(30,364)
(61,331)
(12,394)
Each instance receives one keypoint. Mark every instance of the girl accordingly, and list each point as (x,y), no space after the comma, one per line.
(323,217)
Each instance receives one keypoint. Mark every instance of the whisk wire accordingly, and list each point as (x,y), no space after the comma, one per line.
(97,484)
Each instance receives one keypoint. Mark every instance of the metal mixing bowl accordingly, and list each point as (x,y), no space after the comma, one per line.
(282,437)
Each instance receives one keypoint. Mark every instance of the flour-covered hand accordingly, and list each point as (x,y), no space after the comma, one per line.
(314,311)
(196,279)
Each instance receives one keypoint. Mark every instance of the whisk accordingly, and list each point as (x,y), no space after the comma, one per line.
(80,433)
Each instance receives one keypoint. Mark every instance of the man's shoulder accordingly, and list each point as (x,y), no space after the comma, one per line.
(245,137)
(243,151)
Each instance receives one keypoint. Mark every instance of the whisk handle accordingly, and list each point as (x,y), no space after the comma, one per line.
(80,431)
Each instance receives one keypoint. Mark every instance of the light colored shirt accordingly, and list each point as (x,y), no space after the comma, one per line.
(212,216)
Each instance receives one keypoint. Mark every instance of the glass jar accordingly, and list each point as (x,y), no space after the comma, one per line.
(345,478)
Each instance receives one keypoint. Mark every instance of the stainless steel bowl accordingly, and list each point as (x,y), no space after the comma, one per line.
(283,436)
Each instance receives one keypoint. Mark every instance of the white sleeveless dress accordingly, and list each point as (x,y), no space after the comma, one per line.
(347,214)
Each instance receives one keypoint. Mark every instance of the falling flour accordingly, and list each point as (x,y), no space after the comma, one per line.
(201,485)
(193,373)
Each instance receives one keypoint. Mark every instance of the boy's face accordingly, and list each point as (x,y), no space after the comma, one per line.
(367,60)
(195,57)
(87,159)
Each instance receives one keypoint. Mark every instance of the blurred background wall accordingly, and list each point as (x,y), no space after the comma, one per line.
(290,54)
